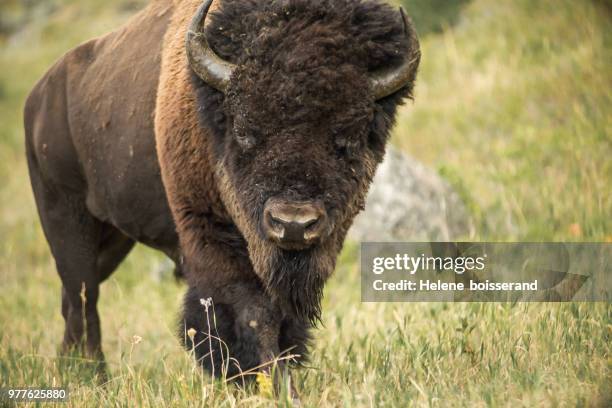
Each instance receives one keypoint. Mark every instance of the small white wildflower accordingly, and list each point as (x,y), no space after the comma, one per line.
(191,333)
(136,339)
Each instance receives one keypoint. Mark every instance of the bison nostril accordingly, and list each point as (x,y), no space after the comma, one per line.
(293,225)
(309,223)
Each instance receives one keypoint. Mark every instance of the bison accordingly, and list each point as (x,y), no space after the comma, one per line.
(240,141)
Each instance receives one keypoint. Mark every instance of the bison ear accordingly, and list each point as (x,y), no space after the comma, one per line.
(213,70)
(387,81)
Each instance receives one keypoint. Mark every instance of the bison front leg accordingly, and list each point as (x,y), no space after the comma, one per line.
(231,329)
(229,321)
(237,333)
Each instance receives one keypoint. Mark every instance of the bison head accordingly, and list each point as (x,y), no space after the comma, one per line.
(299,96)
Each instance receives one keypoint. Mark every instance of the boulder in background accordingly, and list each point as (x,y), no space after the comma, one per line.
(409,202)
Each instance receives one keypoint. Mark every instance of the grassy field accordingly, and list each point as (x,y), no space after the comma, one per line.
(513,107)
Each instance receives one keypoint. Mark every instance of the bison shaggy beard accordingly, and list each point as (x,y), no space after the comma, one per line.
(296,280)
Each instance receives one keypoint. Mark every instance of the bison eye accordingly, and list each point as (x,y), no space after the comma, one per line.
(346,145)
(245,140)
(245,133)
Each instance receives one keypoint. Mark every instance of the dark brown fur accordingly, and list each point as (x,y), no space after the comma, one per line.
(298,122)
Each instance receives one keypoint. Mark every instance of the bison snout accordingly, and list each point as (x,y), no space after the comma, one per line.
(294,225)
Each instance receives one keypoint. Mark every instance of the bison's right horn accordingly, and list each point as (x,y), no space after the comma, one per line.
(206,64)
(388,81)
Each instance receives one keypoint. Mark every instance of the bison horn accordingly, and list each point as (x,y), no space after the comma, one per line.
(206,64)
(390,80)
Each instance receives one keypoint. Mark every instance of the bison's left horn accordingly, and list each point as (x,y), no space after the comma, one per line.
(206,64)
(388,81)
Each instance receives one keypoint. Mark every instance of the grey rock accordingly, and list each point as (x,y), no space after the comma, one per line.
(409,202)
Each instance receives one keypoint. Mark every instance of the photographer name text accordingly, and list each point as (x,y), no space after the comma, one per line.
(459,265)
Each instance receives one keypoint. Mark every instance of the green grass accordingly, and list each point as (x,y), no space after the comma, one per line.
(512,107)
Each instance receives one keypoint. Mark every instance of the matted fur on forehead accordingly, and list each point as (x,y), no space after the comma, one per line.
(311,58)
(366,33)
